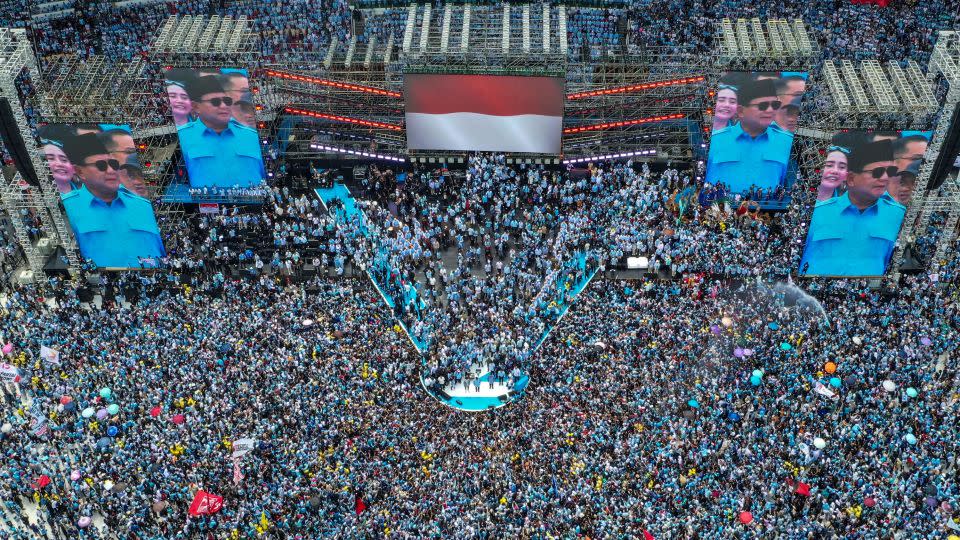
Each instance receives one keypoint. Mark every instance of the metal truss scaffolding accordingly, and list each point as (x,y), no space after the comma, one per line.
(945,63)
(522,39)
(744,45)
(16,56)
(190,42)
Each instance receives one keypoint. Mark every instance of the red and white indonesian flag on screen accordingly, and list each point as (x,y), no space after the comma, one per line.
(500,113)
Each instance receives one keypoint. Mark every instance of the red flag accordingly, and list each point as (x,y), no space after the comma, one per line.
(205,503)
(647,535)
(41,482)
(359,505)
(803,489)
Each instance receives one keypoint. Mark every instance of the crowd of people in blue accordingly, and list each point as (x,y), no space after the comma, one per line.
(726,403)
(710,398)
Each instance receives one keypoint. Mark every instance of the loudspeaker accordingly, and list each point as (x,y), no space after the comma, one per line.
(85,294)
(132,294)
(14,143)
(948,152)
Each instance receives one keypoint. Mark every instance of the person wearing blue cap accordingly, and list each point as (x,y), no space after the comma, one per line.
(218,150)
(756,151)
(113,226)
(854,234)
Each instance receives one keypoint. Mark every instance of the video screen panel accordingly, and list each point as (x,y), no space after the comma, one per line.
(865,186)
(101,183)
(491,113)
(216,123)
(755,117)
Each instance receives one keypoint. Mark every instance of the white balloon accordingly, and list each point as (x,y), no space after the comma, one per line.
(889,385)
(858,340)
(6,427)
(820,443)
(726,321)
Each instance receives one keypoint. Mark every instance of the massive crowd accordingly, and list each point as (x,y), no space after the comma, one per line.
(843,29)
(711,398)
(680,407)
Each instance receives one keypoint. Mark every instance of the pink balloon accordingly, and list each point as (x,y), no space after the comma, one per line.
(178,419)
(84,522)
(155,411)
(745,517)
(8,348)
(870,502)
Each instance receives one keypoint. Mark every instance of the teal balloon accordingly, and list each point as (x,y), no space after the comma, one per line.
(835,382)
(773,326)
(786,346)
(105,393)
(694,403)
(912,392)
(757,373)
(755,380)
(113,408)
(910,438)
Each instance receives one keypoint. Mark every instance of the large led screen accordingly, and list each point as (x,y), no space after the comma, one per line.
(864,187)
(755,117)
(492,113)
(96,170)
(216,123)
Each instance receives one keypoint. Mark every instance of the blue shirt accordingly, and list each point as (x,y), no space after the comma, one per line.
(115,234)
(740,161)
(226,159)
(843,241)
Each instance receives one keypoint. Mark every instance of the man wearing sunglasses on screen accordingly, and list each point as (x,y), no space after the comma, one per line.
(218,150)
(113,227)
(754,152)
(854,234)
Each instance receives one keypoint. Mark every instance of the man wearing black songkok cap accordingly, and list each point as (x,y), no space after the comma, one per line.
(854,234)
(113,227)
(754,152)
(218,151)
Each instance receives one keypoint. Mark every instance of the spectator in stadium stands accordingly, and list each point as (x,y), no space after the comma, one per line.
(755,151)
(834,175)
(113,226)
(854,234)
(218,150)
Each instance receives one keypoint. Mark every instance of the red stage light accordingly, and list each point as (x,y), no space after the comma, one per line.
(334,84)
(635,87)
(623,123)
(346,119)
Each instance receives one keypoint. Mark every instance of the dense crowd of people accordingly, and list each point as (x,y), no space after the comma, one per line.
(843,29)
(712,399)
